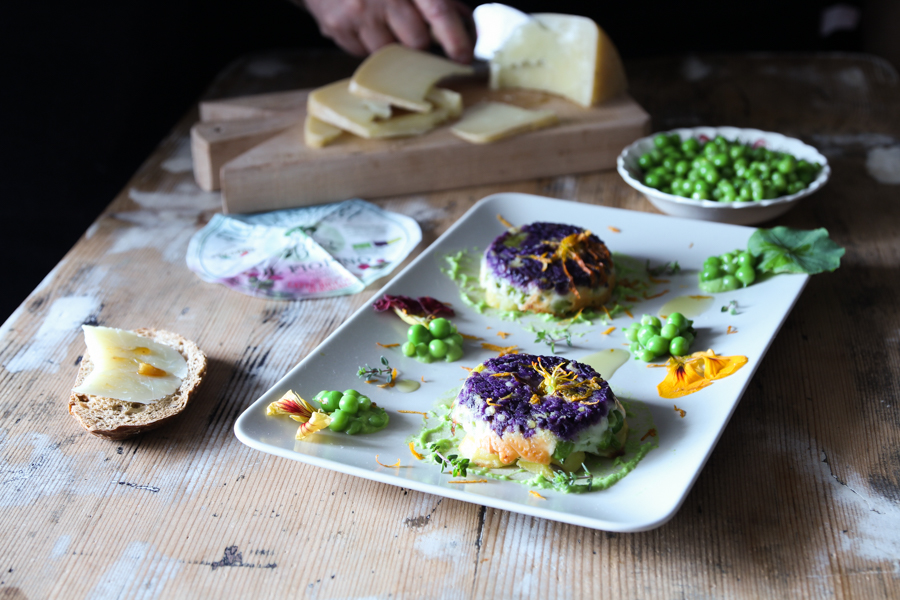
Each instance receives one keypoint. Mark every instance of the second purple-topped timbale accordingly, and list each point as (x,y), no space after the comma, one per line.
(538,409)
(547,268)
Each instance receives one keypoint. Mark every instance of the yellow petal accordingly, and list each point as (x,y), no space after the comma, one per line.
(291,405)
(681,379)
(316,422)
(715,366)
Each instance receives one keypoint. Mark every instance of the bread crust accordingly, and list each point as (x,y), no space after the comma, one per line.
(116,419)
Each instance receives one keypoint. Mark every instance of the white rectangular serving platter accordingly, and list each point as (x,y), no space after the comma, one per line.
(647,497)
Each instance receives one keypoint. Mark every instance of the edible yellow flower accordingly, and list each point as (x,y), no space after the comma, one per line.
(291,405)
(319,420)
(688,374)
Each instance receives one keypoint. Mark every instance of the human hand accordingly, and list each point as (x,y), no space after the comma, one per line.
(363,26)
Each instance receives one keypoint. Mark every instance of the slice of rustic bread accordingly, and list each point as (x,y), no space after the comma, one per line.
(117,419)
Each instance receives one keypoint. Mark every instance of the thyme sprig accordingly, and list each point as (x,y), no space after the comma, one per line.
(456,464)
(547,337)
(731,307)
(669,268)
(368,372)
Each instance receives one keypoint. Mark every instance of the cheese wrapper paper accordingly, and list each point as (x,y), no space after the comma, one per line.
(311,252)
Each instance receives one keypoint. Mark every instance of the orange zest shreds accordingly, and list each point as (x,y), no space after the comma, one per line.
(470,481)
(504,374)
(609,331)
(423,379)
(628,312)
(292,405)
(699,297)
(680,411)
(503,334)
(469,369)
(412,448)
(489,327)
(731,330)
(396,465)
(371,381)
(469,337)
(501,349)
(390,382)
(650,433)
(632,298)
(662,293)
(490,402)
(534,493)
(505,223)
(614,229)
(535,399)
(318,421)
(413,412)
(655,366)
(655,280)
(692,245)
(386,345)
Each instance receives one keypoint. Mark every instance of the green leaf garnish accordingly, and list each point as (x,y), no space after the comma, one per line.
(786,250)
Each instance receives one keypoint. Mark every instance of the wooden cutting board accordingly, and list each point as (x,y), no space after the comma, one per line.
(252,148)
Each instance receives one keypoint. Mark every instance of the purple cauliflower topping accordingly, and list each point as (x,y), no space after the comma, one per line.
(533,240)
(565,419)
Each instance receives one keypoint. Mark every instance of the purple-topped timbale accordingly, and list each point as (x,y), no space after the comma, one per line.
(563,418)
(537,239)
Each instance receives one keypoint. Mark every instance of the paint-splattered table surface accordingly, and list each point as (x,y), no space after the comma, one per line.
(801,496)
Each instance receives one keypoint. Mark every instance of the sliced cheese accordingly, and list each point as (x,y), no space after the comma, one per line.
(565,55)
(490,121)
(335,105)
(403,77)
(318,133)
(130,367)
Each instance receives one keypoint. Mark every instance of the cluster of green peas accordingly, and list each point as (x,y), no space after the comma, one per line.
(728,272)
(436,341)
(351,412)
(651,339)
(720,170)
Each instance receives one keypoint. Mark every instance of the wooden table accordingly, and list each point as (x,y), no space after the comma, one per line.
(801,497)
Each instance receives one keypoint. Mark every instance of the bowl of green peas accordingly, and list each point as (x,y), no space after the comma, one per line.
(723,174)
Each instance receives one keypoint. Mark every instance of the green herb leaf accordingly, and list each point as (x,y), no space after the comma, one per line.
(786,250)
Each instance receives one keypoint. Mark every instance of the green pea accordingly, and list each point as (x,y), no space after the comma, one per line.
(454,353)
(364,402)
(454,338)
(669,163)
(729,196)
(439,328)
(669,331)
(634,347)
(710,150)
(701,186)
(350,404)
(339,420)
(651,320)
(409,349)
(712,262)
(631,334)
(690,145)
(437,348)
(746,274)
(700,195)
(745,258)
(682,167)
(330,401)
(689,338)
(661,141)
(710,274)
(730,282)
(355,427)
(679,346)
(646,161)
(795,187)
(351,392)
(418,334)
(737,152)
(422,350)
(779,182)
(657,345)
(645,333)
(678,320)
(646,355)
(721,160)
(652,180)
(712,176)
(687,187)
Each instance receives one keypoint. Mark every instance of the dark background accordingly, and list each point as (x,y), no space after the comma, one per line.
(89,89)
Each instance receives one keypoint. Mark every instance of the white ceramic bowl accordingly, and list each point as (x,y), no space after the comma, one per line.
(736,213)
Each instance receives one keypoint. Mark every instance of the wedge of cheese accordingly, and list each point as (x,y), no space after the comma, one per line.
(491,121)
(318,133)
(565,55)
(335,105)
(403,77)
